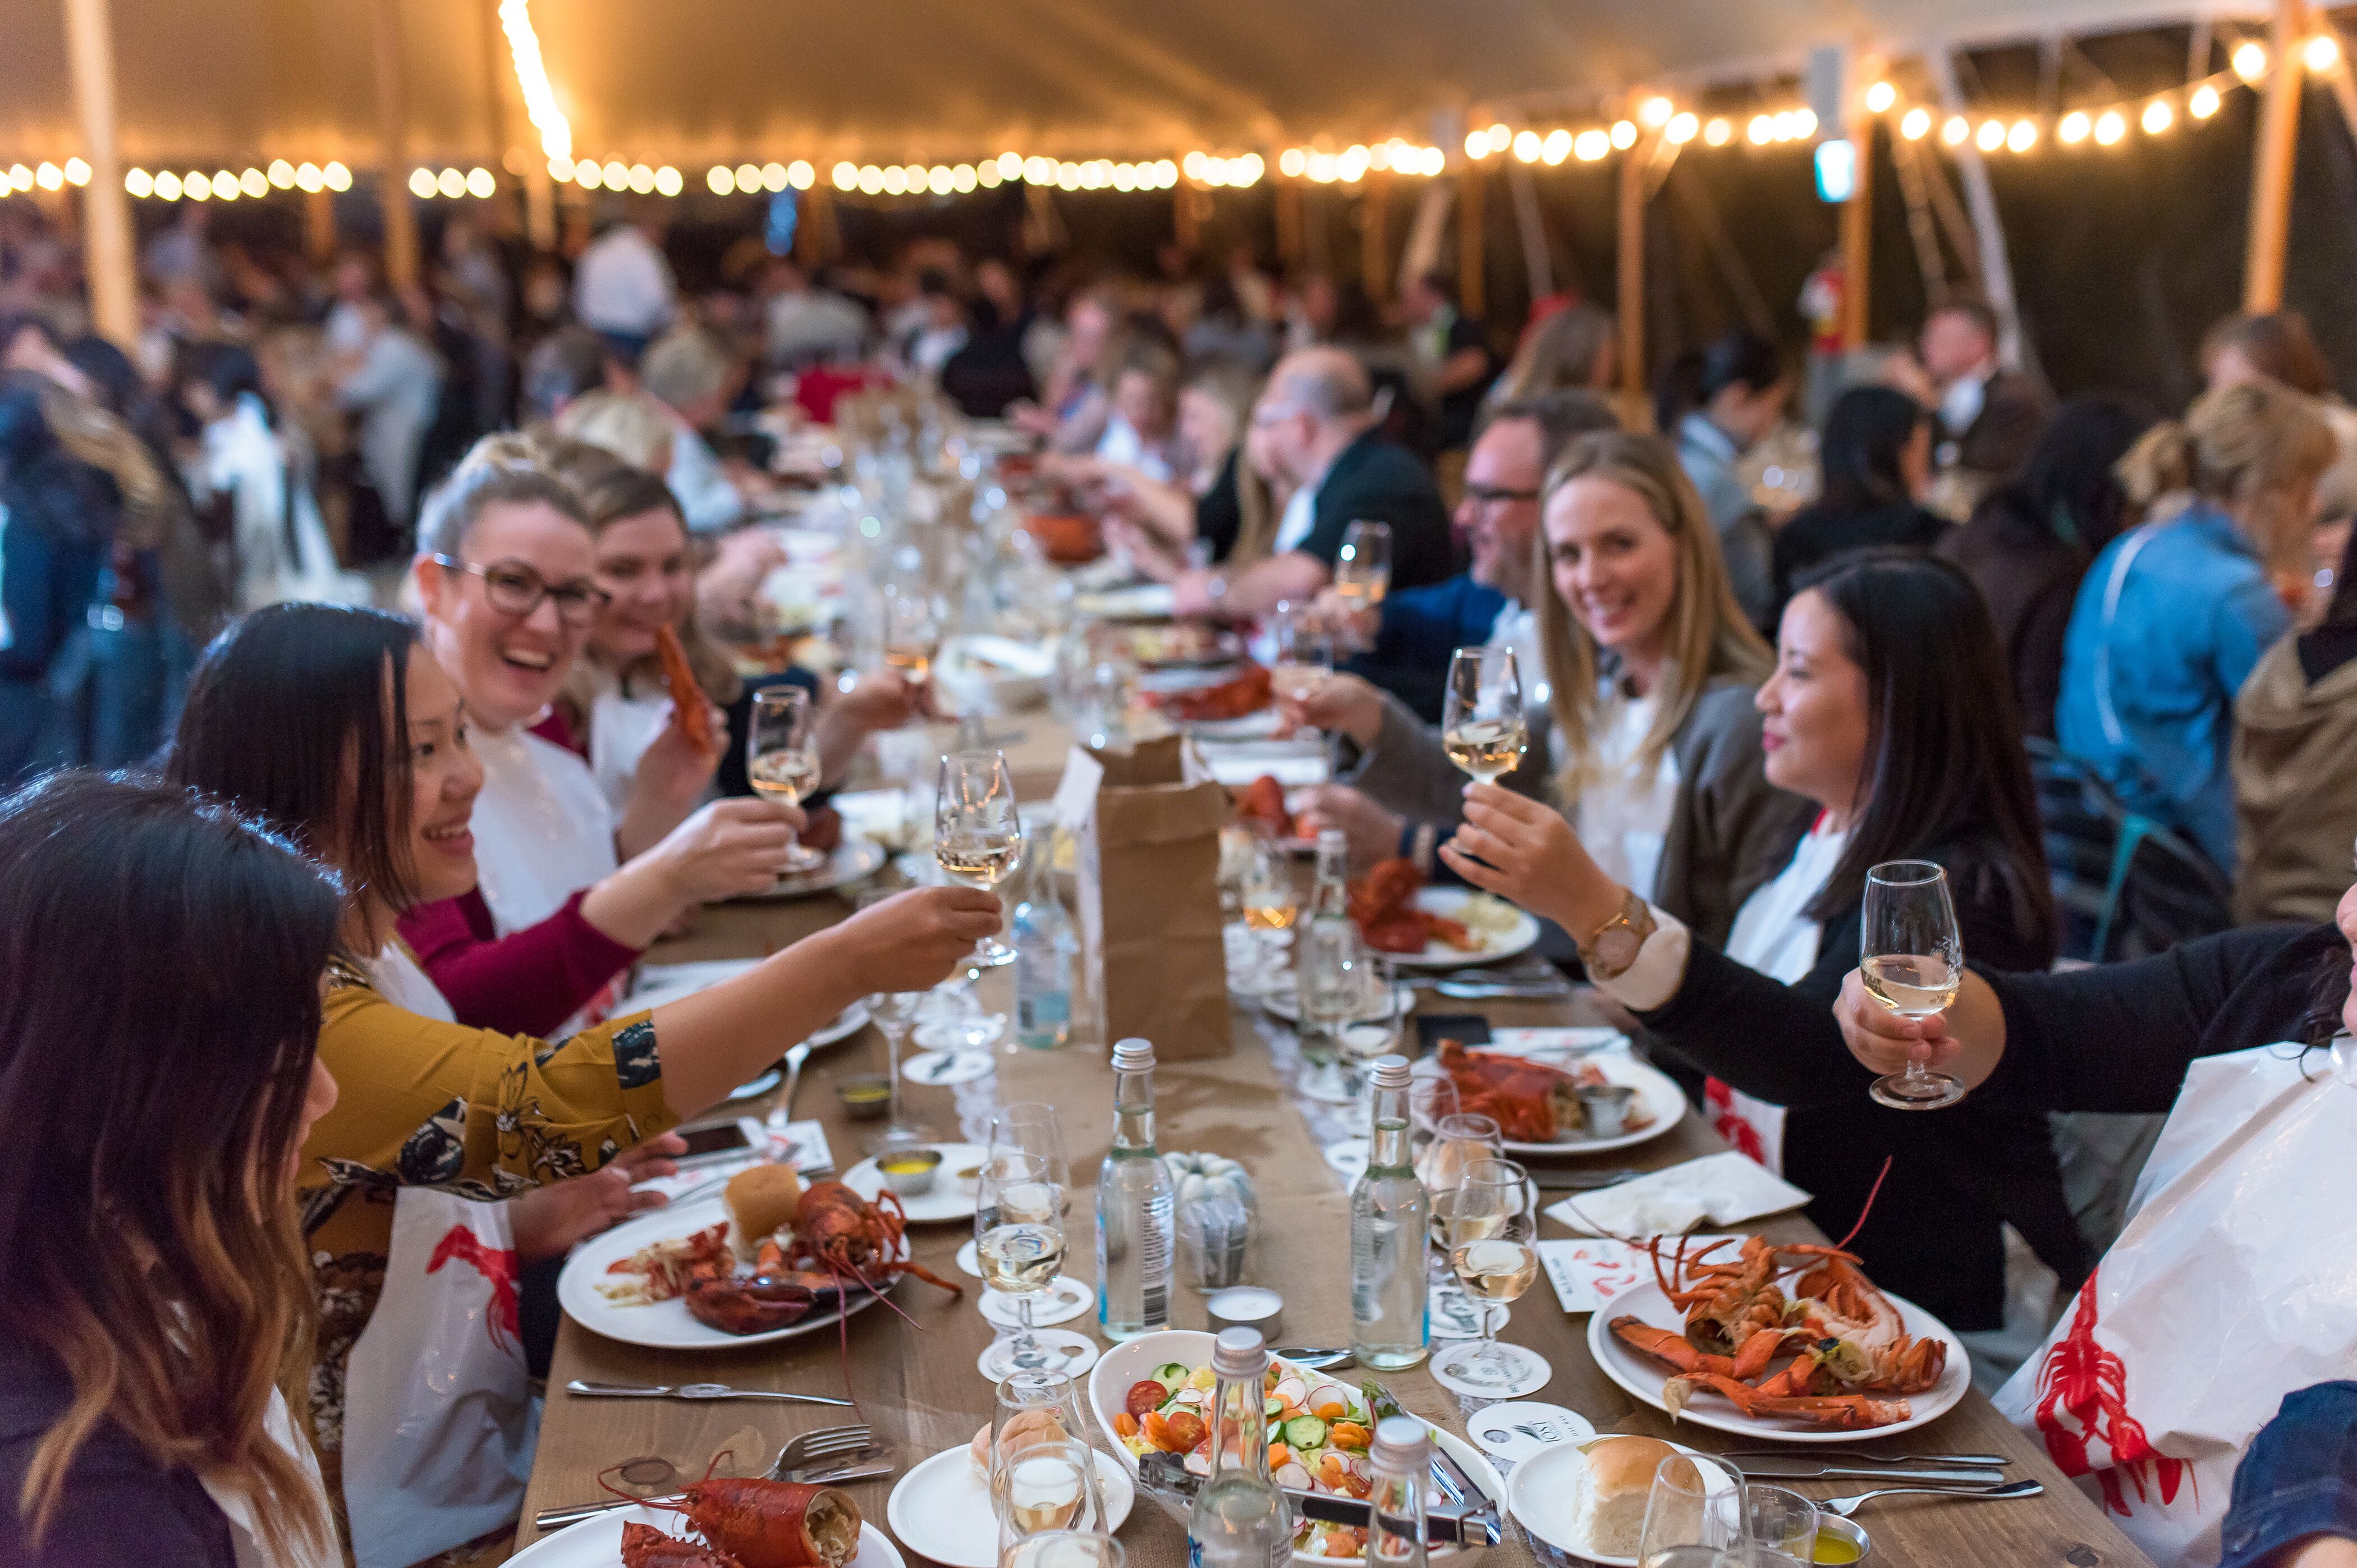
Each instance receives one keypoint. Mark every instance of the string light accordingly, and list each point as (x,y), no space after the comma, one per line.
(76,172)
(49,176)
(1655,112)
(1477,144)
(168,186)
(452,184)
(1718,132)
(2249,61)
(421,183)
(309,179)
(1591,145)
(1624,134)
(1955,131)
(1990,136)
(1681,129)
(2323,53)
(253,183)
(2074,128)
(335,177)
(1915,125)
(1880,97)
(2204,101)
(2022,137)
(225,187)
(1556,146)
(1526,146)
(2110,127)
(138,182)
(2158,117)
(281,174)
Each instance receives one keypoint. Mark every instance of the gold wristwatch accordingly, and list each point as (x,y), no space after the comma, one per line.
(1614,946)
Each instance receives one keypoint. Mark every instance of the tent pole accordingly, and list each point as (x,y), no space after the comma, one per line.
(1857,244)
(320,225)
(1470,292)
(1632,343)
(2272,165)
(1988,227)
(1288,226)
(393,155)
(1374,244)
(112,269)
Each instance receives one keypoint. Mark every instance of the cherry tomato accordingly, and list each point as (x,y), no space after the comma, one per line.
(1144,1396)
(1185,1430)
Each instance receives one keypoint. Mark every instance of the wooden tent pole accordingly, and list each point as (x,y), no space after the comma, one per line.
(320,225)
(112,268)
(1857,242)
(1472,297)
(1631,344)
(2271,172)
(393,157)
(1375,242)
(1288,226)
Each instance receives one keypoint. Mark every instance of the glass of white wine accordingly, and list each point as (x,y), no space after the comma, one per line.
(1913,959)
(977,835)
(1482,718)
(1064,1549)
(1271,899)
(1693,1516)
(913,619)
(782,759)
(1362,568)
(1018,1240)
(1303,653)
(1493,1248)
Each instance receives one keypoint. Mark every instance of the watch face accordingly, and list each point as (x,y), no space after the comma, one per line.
(1616,950)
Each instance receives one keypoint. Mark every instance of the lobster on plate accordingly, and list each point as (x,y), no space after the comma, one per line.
(840,1233)
(1246,691)
(1382,903)
(747,1523)
(1262,805)
(1531,1102)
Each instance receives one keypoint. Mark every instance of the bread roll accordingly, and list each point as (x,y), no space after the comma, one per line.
(1024,1428)
(1609,1516)
(759,1200)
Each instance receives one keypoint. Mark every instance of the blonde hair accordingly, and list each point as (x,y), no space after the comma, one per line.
(631,426)
(1709,635)
(2249,448)
(1562,353)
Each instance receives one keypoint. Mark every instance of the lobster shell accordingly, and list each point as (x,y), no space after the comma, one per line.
(687,697)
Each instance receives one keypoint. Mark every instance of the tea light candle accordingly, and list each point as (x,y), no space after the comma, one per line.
(1247,1307)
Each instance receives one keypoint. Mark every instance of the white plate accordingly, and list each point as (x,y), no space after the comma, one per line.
(1285,1001)
(1642,1376)
(1446,901)
(660,1324)
(597,1543)
(854,860)
(1144,601)
(1547,1490)
(942,1508)
(948,1200)
(1258,725)
(1133,1360)
(1657,1090)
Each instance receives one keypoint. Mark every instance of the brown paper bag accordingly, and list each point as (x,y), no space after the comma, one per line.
(1148,883)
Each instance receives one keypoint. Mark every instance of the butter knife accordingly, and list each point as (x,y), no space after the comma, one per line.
(1808,1470)
(1995,1461)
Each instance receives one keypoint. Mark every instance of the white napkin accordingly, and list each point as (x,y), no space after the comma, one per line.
(1587,1273)
(1725,1189)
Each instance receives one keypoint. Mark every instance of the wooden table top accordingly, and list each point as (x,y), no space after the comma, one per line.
(918,1389)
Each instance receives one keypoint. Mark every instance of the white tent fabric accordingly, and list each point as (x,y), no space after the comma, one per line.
(690,80)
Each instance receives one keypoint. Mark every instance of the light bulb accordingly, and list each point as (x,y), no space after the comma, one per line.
(2110,127)
(1880,97)
(168,186)
(2159,116)
(1763,130)
(481,184)
(722,179)
(1718,132)
(76,172)
(307,179)
(1591,145)
(138,182)
(1654,113)
(49,176)
(846,177)
(1526,146)
(421,183)
(338,177)
(1681,129)
(1291,162)
(1477,144)
(2204,101)
(1557,146)
(1500,138)
(1990,136)
(1624,134)
(1956,131)
(1915,125)
(2022,137)
(451,184)
(590,175)
(2074,128)
(2250,60)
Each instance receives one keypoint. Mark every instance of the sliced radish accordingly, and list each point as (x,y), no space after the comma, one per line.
(1292,1474)
(1325,1395)
(1359,1467)
(1289,1390)
(1187,1396)
(1199,1463)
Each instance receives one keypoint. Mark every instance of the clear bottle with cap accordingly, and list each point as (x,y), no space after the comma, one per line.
(1329,894)
(1241,1518)
(1391,1315)
(1399,1458)
(1044,947)
(1135,1214)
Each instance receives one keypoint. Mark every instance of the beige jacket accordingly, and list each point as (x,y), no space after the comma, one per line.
(2295,767)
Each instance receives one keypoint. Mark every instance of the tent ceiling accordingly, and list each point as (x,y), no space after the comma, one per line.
(689,81)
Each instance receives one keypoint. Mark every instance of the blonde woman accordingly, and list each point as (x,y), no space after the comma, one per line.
(2173,616)
(1647,738)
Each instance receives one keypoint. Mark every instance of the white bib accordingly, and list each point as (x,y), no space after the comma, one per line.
(542,829)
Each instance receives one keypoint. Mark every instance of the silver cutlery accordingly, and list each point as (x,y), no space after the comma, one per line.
(812,1450)
(1998,1461)
(1588,1181)
(1801,1470)
(1312,1357)
(863,1471)
(795,1059)
(1845,1506)
(1164,1474)
(691,1392)
(1471,991)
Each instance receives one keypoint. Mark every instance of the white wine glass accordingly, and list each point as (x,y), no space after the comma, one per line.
(1493,1248)
(913,619)
(1043,1466)
(1302,653)
(1018,1240)
(1693,1516)
(1362,568)
(1064,1549)
(782,759)
(1271,899)
(1481,723)
(1911,958)
(977,834)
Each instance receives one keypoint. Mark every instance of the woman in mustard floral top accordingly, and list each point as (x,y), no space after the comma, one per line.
(334,725)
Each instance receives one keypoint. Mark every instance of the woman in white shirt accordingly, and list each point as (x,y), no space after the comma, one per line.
(1644,731)
(1888,708)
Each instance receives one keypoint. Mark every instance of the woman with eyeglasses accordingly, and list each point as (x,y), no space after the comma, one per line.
(571,890)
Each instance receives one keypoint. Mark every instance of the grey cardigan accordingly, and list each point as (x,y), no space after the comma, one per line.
(1730,830)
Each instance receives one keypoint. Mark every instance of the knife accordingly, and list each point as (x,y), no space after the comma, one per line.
(1993,1461)
(1810,1470)
(1168,1473)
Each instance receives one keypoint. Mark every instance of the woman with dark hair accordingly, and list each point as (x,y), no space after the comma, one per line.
(336,727)
(1739,391)
(155,1294)
(1876,458)
(57,518)
(1889,709)
(2028,543)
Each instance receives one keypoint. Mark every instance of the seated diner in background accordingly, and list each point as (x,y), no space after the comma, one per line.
(1876,460)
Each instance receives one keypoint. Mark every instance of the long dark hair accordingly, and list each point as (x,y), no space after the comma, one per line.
(2070,486)
(299,715)
(45,487)
(1866,433)
(1944,758)
(156,1035)
(1740,358)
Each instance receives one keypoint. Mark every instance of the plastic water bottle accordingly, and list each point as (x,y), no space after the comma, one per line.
(1135,1214)
(1391,1313)
(1044,948)
(1240,1518)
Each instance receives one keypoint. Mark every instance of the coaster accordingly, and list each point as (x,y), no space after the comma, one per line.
(976,1033)
(1055,1350)
(1064,1299)
(940,1068)
(1462,1368)
(969,1258)
(1523,1429)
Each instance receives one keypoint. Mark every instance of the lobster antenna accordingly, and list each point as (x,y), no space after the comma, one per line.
(1843,1245)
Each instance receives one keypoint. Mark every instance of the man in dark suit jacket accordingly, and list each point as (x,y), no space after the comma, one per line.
(1989,417)
(1317,422)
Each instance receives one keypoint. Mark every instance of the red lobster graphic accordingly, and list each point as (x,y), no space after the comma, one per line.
(498,1265)
(2090,1382)
(1732,1125)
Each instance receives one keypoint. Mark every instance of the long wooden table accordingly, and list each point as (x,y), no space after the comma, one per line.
(918,1389)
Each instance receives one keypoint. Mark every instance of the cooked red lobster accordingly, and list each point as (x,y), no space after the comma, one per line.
(1246,691)
(1383,902)
(748,1523)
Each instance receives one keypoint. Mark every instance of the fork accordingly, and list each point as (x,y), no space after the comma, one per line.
(809,1450)
(1845,1506)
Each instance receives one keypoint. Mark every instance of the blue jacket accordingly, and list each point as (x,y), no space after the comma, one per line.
(2168,623)
(1419,630)
(2298,1477)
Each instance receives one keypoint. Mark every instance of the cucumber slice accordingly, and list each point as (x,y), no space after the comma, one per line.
(1271,1406)
(1304,1431)
(1171,1374)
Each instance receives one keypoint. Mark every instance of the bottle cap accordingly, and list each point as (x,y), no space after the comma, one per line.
(1131,1055)
(1403,1446)
(1334,838)
(1390,1072)
(1239,1353)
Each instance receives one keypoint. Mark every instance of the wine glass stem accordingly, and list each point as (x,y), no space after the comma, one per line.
(892,1057)
(1023,1340)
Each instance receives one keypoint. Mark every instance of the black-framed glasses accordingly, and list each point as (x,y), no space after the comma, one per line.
(1490,495)
(515,589)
